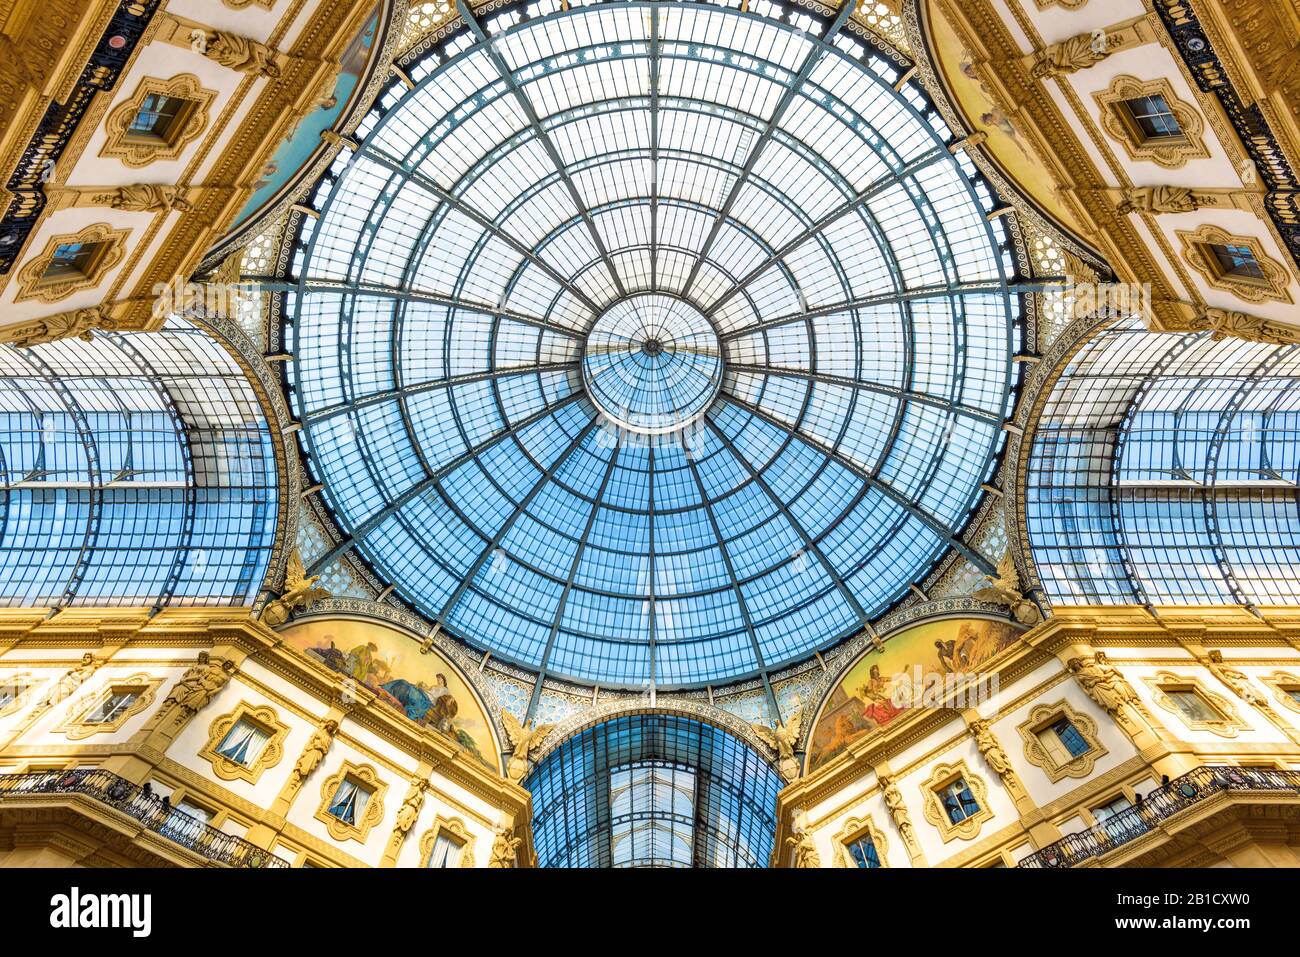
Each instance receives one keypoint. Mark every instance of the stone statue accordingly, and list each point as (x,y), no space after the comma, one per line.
(1070,56)
(78,323)
(526,740)
(782,738)
(805,851)
(1102,684)
(1004,589)
(67,686)
(989,747)
(314,753)
(504,848)
(144,198)
(897,809)
(1237,681)
(1159,199)
(200,683)
(241,54)
(410,808)
(1227,323)
(300,591)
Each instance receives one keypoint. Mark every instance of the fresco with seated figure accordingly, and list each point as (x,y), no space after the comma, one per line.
(425,687)
(881,685)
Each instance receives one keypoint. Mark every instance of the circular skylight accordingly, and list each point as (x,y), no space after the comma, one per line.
(652,342)
(652,363)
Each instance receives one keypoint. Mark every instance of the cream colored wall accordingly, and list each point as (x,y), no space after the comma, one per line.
(238,804)
(1067,802)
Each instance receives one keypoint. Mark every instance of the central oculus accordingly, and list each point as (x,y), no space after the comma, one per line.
(652,363)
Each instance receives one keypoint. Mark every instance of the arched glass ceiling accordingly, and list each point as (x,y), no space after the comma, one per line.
(653,790)
(137,470)
(1165,471)
(653,342)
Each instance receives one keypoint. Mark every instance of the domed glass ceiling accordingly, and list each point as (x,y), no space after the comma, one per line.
(652,342)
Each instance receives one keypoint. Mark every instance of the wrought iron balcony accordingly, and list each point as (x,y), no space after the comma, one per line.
(151,811)
(1162,803)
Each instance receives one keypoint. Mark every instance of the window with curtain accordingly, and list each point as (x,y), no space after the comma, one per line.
(1062,741)
(958,801)
(863,852)
(349,801)
(446,850)
(243,743)
(113,706)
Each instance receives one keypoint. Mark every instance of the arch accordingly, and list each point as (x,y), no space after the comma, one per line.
(653,789)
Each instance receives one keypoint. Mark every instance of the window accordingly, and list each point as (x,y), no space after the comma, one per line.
(244,743)
(1152,117)
(863,852)
(958,801)
(1292,693)
(652,815)
(113,707)
(74,260)
(1192,706)
(349,802)
(160,117)
(1236,261)
(1106,814)
(446,851)
(1062,741)
(11,693)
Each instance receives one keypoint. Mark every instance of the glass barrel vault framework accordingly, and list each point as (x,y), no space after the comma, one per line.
(138,471)
(652,343)
(1165,470)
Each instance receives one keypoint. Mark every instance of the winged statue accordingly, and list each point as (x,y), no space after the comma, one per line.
(1004,589)
(782,738)
(525,739)
(300,591)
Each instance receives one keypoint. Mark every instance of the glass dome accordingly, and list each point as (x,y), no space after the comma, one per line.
(652,343)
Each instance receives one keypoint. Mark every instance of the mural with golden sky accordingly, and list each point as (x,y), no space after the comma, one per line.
(978,102)
(864,699)
(426,688)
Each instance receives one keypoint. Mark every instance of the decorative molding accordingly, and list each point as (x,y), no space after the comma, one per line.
(1196,253)
(33,284)
(75,727)
(74,324)
(1170,152)
(1227,725)
(854,829)
(1279,681)
(137,151)
(942,775)
(26,683)
(1040,718)
(456,828)
(366,775)
(272,751)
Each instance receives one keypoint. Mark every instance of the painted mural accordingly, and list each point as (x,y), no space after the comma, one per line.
(424,687)
(868,696)
(304,138)
(974,98)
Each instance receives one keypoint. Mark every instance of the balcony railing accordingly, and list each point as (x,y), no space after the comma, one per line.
(1162,803)
(151,811)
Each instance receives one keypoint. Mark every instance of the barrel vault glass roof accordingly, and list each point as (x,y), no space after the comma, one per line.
(652,343)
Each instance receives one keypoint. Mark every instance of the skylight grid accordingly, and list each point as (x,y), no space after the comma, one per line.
(718,315)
